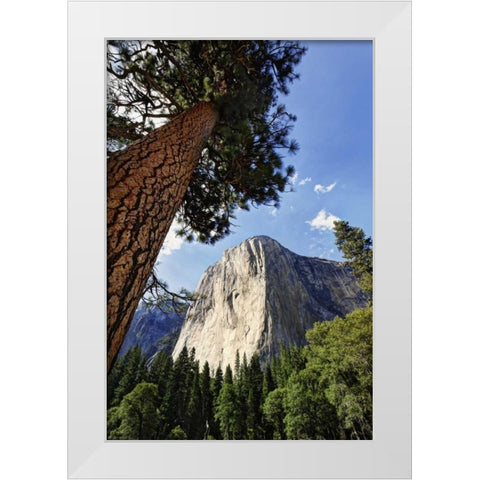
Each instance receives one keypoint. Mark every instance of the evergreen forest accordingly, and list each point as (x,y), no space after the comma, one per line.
(319,391)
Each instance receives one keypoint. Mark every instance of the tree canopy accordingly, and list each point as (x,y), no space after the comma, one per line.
(357,250)
(320,391)
(151,82)
(340,359)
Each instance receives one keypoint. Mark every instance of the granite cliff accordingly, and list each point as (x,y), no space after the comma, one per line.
(260,295)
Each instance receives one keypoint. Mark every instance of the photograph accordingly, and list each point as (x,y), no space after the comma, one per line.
(239,239)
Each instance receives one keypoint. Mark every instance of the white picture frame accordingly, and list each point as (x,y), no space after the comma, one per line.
(388,24)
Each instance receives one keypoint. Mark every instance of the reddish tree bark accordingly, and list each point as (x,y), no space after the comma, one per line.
(146,183)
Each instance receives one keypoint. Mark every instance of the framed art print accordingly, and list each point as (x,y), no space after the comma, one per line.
(239,287)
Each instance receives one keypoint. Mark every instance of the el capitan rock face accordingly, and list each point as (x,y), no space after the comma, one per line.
(260,295)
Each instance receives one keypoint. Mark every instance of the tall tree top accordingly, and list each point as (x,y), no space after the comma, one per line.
(150,82)
(356,248)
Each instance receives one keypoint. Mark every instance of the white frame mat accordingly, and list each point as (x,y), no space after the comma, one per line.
(388,24)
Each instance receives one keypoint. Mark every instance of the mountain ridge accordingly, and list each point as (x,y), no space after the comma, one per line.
(149,326)
(260,295)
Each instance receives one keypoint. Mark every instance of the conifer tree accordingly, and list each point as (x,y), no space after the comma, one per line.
(217,382)
(216,386)
(254,400)
(356,248)
(114,377)
(178,392)
(219,150)
(132,373)
(228,377)
(227,408)
(268,381)
(160,372)
(268,386)
(291,360)
(276,366)
(195,427)
(241,390)
(207,402)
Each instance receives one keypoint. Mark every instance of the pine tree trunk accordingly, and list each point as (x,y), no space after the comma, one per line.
(146,183)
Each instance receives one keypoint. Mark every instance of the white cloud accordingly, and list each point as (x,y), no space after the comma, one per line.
(323,221)
(294,178)
(273,212)
(171,242)
(321,189)
(305,180)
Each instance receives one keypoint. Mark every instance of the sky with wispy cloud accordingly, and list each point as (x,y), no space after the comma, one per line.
(333,168)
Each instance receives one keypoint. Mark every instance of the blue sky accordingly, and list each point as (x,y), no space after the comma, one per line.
(334,166)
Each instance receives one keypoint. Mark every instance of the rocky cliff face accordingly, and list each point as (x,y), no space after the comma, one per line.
(261,295)
(152,329)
